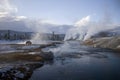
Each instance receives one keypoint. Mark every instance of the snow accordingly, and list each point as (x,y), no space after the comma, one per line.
(12,42)
(30,47)
(34,53)
(7,48)
(118,46)
(11,51)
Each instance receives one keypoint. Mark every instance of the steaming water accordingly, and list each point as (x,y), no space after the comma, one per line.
(76,62)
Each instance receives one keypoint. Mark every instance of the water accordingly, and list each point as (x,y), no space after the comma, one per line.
(78,62)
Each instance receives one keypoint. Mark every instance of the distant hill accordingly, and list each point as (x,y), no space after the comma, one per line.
(108,33)
(106,39)
(19,35)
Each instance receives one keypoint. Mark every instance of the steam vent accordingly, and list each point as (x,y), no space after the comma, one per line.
(59,39)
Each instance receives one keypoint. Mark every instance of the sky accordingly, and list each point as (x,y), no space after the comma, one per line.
(56,15)
(68,11)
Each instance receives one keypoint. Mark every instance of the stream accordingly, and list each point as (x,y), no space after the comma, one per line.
(77,62)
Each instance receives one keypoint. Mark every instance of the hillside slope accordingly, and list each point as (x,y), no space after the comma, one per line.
(106,42)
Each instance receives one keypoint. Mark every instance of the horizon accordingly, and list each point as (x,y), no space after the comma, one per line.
(57,15)
(59,40)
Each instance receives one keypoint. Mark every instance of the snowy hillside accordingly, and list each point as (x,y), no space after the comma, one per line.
(18,35)
(108,33)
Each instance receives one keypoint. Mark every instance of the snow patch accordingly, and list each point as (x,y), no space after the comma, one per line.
(30,47)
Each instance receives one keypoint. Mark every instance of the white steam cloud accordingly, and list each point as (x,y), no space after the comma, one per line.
(6,8)
(85,28)
(10,21)
(81,30)
(84,21)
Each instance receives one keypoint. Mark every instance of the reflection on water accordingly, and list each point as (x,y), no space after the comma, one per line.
(84,64)
(72,62)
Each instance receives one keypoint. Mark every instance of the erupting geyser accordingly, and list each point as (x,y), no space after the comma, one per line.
(85,29)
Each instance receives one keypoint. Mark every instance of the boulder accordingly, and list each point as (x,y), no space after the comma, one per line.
(47,55)
(20,72)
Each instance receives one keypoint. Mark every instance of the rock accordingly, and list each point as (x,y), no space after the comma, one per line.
(20,72)
(47,55)
(105,42)
(19,75)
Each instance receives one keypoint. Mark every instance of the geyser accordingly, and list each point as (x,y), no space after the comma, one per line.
(85,28)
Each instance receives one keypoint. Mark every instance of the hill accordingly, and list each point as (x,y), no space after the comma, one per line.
(19,35)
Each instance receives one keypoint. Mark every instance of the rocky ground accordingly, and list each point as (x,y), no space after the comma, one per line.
(29,58)
(25,53)
(105,42)
(19,72)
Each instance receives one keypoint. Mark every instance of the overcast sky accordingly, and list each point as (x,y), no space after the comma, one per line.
(68,11)
(56,15)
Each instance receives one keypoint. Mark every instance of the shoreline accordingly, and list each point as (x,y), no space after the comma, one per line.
(112,43)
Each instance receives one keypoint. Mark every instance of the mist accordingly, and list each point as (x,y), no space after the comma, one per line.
(9,20)
(85,28)
(80,30)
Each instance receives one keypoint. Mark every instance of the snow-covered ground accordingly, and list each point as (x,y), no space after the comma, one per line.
(7,48)
(12,42)
(24,41)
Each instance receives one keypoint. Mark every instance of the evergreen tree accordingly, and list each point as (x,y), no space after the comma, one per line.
(53,35)
(15,36)
(8,35)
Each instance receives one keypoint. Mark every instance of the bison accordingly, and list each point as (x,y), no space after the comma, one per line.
(28,43)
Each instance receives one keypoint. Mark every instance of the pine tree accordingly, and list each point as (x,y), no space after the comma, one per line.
(53,35)
(8,35)
(15,36)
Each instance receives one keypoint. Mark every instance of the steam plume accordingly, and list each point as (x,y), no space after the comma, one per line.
(85,28)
